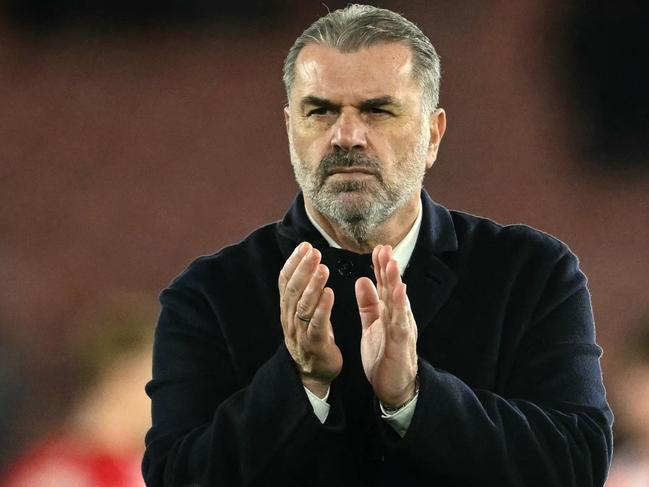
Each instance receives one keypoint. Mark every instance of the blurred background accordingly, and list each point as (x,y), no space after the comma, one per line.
(135,138)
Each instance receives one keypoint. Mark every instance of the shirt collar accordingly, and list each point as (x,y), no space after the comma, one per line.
(401,252)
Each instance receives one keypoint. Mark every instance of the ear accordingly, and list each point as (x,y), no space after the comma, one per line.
(437,129)
(287,116)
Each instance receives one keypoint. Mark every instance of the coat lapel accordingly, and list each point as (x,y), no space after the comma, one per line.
(430,281)
(296,227)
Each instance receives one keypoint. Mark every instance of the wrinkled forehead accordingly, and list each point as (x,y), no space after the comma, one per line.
(378,70)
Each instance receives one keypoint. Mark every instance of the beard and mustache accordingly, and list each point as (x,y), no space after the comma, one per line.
(359,206)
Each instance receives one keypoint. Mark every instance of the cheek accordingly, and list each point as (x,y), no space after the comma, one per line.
(395,150)
(310,145)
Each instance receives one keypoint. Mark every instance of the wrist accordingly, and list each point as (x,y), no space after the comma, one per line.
(393,405)
(318,388)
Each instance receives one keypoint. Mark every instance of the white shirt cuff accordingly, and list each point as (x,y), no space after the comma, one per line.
(400,420)
(320,405)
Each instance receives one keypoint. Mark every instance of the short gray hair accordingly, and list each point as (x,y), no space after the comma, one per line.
(358,26)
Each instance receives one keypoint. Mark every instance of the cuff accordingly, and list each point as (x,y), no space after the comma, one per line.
(320,405)
(401,419)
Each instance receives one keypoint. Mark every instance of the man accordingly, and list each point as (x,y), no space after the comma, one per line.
(406,342)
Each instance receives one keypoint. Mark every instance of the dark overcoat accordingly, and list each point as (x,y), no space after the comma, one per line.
(511,389)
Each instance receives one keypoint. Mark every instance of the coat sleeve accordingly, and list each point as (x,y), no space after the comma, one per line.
(549,426)
(208,428)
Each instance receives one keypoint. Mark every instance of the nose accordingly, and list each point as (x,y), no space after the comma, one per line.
(349,131)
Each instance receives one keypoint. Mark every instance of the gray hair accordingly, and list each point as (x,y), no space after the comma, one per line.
(357,26)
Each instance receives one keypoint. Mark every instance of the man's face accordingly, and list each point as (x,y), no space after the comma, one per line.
(359,139)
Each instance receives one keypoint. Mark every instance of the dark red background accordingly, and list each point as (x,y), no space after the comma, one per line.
(123,155)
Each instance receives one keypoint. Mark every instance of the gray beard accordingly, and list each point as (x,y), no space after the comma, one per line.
(374,203)
(356,221)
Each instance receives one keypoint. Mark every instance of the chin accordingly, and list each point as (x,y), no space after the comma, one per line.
(354,199)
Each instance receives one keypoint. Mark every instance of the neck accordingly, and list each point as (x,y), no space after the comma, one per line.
(390,232)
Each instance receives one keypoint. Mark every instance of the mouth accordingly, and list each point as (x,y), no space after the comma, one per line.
(352,171)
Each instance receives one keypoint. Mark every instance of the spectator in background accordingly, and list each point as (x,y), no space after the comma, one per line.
(99,443)
(630,397)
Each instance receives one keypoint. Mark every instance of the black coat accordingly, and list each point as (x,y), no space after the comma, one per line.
(511,389)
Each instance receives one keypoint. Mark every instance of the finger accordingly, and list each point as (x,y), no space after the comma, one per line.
(394,285)
(391,279)
(385,256)
(285,274)
(392,275)
(377,267)
(299,280)
(381,271)
(291,264)
(294,289)
(411,317)
(400,324)
(367,298)
(311,295)
(319,328)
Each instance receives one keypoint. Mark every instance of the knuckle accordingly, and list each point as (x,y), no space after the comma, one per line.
(307,295)
(303,309)
(315,324)
(283,278)
(398,332)
(292,291)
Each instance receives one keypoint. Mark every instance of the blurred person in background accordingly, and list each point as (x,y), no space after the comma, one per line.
(630,397)
(485,372)
(99,442)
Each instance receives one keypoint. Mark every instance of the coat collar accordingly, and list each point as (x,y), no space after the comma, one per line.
(296,227)
(430,281)
(436,236)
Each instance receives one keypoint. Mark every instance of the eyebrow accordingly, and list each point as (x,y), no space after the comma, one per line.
(364,105)
(381,101)
(317,101)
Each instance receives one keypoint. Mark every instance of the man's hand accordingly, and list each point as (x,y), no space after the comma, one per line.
(389,339)
(305,306)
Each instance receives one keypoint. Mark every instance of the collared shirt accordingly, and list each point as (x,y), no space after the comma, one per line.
(401,419)
(401,252)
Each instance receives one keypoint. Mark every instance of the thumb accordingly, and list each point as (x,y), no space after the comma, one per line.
(368,301)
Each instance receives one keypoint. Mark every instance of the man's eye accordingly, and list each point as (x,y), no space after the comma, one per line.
(319,111)
(379,111)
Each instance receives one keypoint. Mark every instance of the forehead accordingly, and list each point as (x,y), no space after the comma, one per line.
(379,70)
